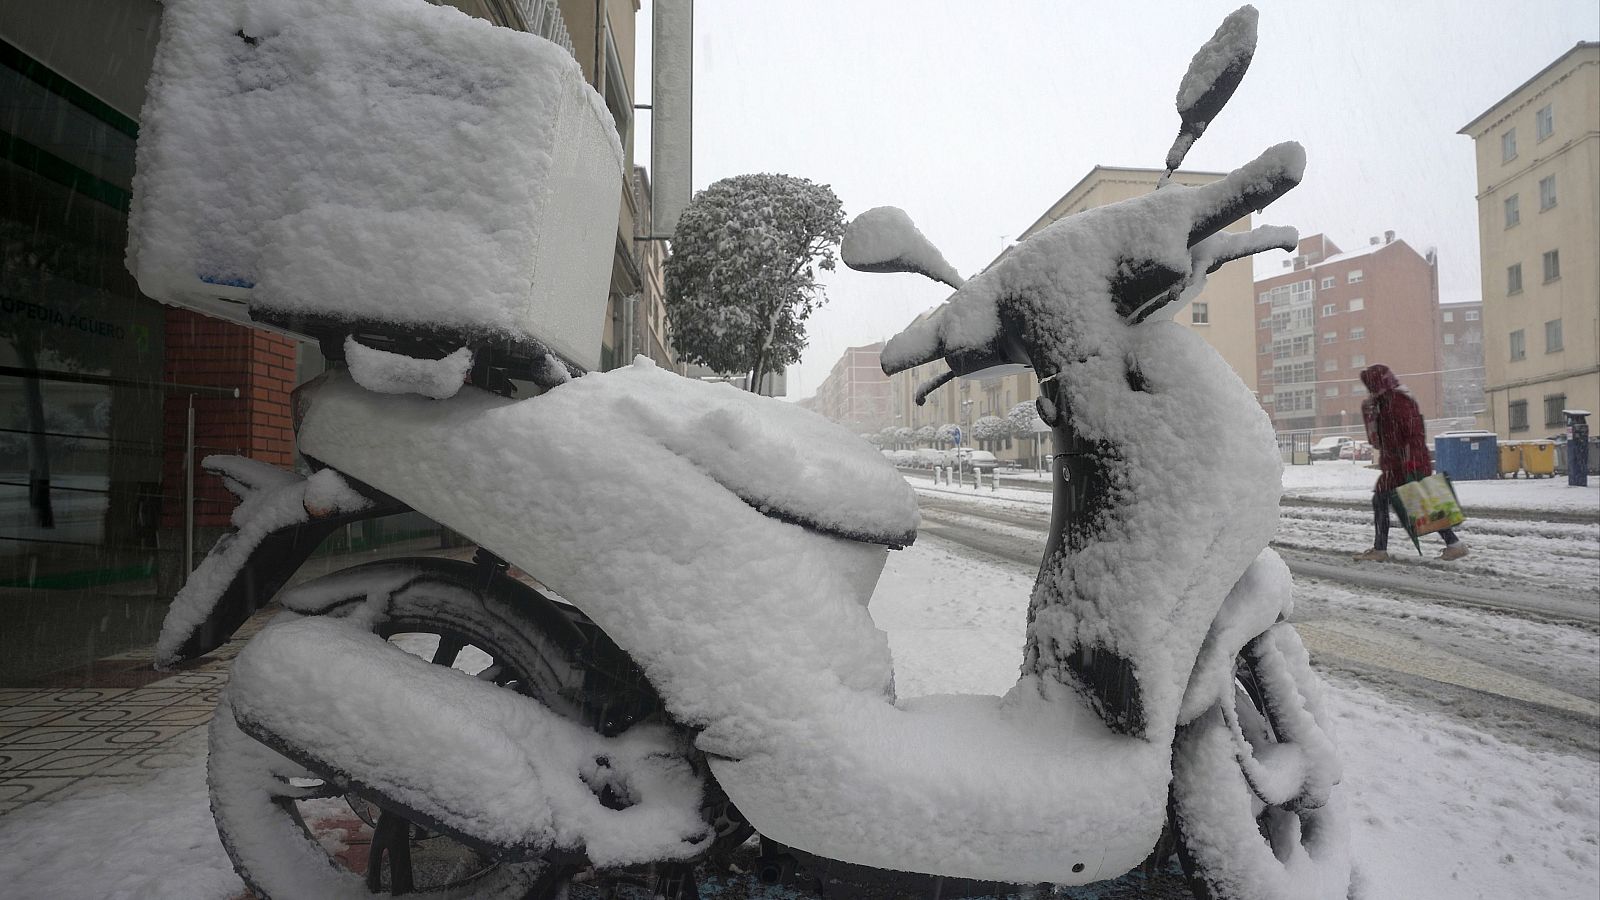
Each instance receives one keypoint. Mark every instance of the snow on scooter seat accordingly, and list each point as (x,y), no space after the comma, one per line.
(478,759)
(384,161)
(613,491)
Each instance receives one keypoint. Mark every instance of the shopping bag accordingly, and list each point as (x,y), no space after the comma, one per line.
(1428,504)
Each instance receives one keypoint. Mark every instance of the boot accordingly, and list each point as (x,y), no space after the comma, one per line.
(1454,551)
(1375,555)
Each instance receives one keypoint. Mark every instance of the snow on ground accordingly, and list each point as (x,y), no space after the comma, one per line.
(141,840)
(1344,480)
(1440,810)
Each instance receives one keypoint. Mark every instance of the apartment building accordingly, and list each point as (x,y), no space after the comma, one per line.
(1333,313)
(1461,348)
(1538,165)
(856,393)
(99,384)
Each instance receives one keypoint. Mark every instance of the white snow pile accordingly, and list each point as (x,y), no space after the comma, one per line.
(885,235)
(478,758)
(376,160)
(396,373)
(789,678)
(270,500)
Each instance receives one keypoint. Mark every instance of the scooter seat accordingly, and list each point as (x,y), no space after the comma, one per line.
(784,460)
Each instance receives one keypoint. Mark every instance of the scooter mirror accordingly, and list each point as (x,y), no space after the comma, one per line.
(1214,73)
(884,239)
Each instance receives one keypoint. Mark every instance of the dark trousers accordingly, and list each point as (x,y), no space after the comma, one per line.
(1380,521)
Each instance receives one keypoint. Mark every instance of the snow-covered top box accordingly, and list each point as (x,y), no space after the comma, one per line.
(375,161)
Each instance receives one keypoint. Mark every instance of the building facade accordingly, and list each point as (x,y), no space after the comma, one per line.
(1461,348)
(108,400)
(1332,314)
(1538,165)
(856,393)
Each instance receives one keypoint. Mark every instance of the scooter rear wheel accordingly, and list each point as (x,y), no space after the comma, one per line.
(292,835)
(1256,803)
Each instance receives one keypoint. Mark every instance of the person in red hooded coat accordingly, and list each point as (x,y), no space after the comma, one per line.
(1395,430)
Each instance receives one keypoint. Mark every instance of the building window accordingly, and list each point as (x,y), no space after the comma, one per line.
(1547,192)
(1517,411)
(1514,278)
(1513,211)
(1519,347)
(1327,284)
(617,96)
(1472,315)
(1544,122)
(1449,316)
(1357,305)
(1508,146)
(1354,277)
(1264,297)
(1264,323)
(1200,314)
(1552,336)
(1329,309)
(1553,405)
(1358,361)
(1331,391)
(1329,337)
(1552,265)
(1358,333)
(1449,339)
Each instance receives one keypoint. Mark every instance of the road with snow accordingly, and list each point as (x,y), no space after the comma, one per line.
(1506,637)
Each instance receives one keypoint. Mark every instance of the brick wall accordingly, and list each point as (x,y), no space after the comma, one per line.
(209,352)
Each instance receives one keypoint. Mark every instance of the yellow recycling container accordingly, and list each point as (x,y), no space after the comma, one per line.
(1539,458)
(1511,458)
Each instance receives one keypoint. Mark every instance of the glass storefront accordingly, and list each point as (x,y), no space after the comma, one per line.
(96,386)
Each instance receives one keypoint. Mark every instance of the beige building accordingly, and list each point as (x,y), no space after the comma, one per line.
(1223,315)
(856,393)
(1538,157)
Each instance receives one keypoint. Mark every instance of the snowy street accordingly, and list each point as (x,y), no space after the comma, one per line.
(1466,692)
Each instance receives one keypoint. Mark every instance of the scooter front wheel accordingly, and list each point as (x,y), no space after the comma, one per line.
(1257,807)
(293,835)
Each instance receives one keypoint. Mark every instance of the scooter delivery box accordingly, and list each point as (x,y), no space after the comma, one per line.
(314,165)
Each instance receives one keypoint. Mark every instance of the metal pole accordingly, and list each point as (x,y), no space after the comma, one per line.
(188,492)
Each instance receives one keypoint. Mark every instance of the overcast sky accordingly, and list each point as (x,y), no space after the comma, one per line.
(976,116)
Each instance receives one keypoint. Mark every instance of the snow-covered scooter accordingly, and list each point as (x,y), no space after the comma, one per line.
(689,661)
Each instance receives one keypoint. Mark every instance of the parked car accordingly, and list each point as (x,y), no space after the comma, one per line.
(1356,451)
(979,460)
(1328,447)
(927,458)
(904,457)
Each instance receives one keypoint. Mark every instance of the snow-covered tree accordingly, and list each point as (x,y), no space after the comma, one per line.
(1024,419)
(904,435)
(927,434)
(875,440)
(991,428)
(741,280)
(946,433)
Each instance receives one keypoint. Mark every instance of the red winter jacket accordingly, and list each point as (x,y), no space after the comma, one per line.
(1394,429)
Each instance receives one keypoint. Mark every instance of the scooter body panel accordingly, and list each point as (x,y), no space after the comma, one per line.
(755,631)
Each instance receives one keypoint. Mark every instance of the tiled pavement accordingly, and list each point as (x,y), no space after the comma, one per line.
(118,724)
